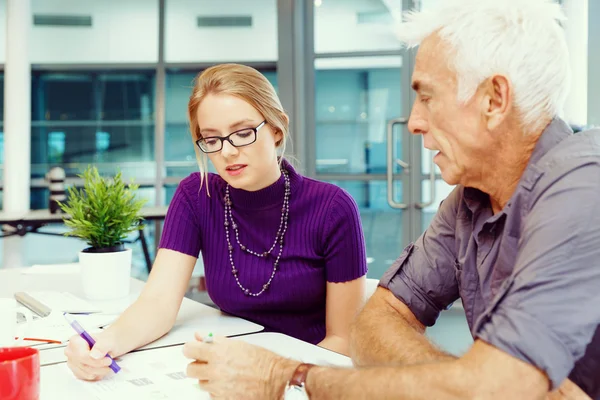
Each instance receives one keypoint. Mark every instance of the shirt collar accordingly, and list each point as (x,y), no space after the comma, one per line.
(554,133)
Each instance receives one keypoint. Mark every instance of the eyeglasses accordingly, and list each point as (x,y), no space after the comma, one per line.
(243,137)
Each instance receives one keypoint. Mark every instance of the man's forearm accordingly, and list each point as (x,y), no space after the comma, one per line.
(440,381)
(381,336)
(335,343)
(449,380)
(420,382)
(484,372)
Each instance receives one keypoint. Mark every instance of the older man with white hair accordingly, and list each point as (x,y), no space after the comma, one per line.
(518,240)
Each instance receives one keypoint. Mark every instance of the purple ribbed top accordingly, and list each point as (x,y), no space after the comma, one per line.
(324,243)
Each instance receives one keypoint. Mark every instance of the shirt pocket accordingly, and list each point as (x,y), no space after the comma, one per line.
(505,263)
(458,273)
(500,295)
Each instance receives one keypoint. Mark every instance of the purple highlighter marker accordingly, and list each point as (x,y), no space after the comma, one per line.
(90,340)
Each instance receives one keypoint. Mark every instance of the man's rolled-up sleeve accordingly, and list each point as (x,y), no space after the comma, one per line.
(423,277)
(549,309)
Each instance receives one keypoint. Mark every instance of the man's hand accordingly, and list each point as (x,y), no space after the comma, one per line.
(232,369)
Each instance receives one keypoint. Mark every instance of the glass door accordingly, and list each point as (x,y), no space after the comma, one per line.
(429,178)
(362,101)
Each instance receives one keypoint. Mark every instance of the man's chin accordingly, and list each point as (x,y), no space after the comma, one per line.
(449,177)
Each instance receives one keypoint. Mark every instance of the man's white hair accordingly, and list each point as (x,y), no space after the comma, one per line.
(522,39)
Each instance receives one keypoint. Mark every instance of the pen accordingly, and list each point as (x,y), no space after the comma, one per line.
(90,340)
(208,339)
(42,340)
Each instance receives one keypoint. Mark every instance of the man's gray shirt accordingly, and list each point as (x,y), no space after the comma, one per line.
(529,276)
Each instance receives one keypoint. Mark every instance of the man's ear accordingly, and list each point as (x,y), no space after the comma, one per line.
(497,100)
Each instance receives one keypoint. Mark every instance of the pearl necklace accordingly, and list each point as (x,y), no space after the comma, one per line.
(285,209)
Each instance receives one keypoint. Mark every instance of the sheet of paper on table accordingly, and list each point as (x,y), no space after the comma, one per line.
(152,375)
(55,327)
(160,373)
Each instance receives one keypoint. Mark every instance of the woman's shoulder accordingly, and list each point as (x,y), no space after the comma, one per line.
(320,186)
(327,191)
(194,187)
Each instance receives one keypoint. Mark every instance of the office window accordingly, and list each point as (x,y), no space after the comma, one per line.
(100,117)
(354,100)
(93,117)
(56,147)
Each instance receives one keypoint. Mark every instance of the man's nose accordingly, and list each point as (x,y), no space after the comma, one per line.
(417,123)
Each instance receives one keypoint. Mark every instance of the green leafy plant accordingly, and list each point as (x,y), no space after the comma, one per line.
(104,212)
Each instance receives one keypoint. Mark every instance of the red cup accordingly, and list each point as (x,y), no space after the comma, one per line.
(19,373)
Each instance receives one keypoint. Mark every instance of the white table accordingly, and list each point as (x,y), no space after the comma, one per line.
(192,316)
(57,381)
(31,221)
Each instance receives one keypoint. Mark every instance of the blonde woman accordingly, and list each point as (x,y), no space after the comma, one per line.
(279,249)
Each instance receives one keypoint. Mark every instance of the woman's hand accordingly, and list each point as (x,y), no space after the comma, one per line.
(90,364)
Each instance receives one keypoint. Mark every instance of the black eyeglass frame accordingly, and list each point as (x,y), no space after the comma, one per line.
(228,138)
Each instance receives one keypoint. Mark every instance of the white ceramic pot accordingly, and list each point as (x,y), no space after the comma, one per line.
(105,276)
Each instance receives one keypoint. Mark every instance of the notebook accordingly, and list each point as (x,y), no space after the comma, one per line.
(44,302)
(55,327)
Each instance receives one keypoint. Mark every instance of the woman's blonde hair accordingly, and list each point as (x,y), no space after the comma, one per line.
(245,83)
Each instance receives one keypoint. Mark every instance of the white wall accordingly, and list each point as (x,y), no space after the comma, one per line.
(127,31)
(122,31)
(337,30)
(186,42)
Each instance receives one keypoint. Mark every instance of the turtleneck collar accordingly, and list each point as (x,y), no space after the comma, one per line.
(270,196)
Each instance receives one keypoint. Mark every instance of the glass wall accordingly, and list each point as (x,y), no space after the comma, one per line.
(353,103)
(92,117)
(358,90)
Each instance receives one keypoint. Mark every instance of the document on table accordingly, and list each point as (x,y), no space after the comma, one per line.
(52,269)
(157,374)
(55,327)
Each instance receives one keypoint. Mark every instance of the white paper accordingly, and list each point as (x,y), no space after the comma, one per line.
(158,374)
(56,327)
(64,302)
(54,269)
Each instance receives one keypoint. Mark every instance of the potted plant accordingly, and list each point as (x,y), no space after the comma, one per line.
(103,213)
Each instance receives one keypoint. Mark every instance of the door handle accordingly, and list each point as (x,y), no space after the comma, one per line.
(391,162)
(432,188)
